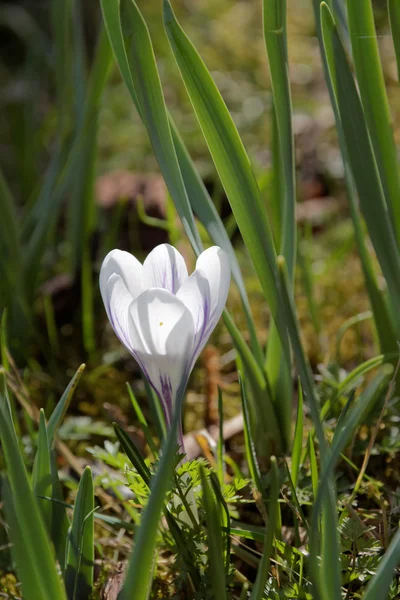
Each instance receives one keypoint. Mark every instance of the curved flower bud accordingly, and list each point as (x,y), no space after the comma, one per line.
(163,316)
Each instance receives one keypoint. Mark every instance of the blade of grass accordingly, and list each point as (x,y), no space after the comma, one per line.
(379,585)
(263,570)
(313,465)
(382,318)
(251,456)
(230,159)
(41,476)
(394,18)
(374,100)
(147,85)
(37,558)
(328,570)
(139,572)
(132,453)
(80,557)
(60,410)
(362,164)
(274,22)
(215,539)
(298,439)
(142,420)
(198,195)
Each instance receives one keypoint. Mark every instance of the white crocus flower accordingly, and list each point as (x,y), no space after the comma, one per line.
(163,316)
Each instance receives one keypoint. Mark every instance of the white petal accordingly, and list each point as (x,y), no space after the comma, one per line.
(205,293)
(118,301)
(164,268)
(127,267)
(161,334)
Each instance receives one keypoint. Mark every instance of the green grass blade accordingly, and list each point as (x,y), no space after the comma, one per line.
(362,164)
(394,17)
(360,408)
(230,159)
(32,584)
(142,420)
(41,564)
(80,557)
(379,585)
(206,212)
(262,409)
(313,465)
(379,307)
(60,410)
(60,522)
(298,439)
(373,96)
(132,453)
(41,476)
(139,573)
(215,539)
(251,456)
(198,195)
(147,85)
(331,588)
(263,570)
(359,372)
(274,20)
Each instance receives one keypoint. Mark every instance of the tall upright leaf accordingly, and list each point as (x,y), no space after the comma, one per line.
(80,557)
(363,165)
(34,557)
(147,85)
(274,19)
(374,101)
(231,161)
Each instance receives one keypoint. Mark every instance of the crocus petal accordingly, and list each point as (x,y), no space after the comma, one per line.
(164,268)
(127,267)
(161,333)
(118,300)
(205,293)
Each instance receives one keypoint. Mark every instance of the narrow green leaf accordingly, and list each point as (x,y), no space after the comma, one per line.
(32,584)
(262,410)
(379,585)
(231,161)
(198,196)
(132,453)
(374,100)
(313,465)
(142,420)
(251,456)
(215,539)
(41,476)
(80,557)
(382,318)
(298,438)
(205,210)
(37,559)
(60,410)
(362,164)
(220,443)
(263,570)
(274,20)
(331,588)
(360,408)
(147,85)
(139,572)
(394,17)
